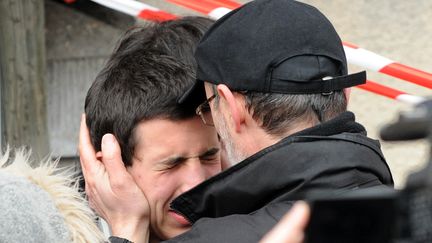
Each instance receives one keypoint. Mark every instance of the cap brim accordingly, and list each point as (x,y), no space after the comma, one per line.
(194,96)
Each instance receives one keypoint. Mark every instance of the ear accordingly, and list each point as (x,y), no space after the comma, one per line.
(347,92)
(234,104)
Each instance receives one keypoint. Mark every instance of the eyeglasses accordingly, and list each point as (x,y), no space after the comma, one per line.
(204,112)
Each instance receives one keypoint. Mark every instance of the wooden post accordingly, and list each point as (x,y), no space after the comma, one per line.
(1,114)
(22,65)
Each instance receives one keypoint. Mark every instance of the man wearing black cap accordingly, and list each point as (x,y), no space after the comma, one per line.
(276,82)
(273,73)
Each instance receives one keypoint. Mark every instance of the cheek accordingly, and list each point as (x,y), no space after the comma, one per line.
(160,190)
(148,183)
(212,170)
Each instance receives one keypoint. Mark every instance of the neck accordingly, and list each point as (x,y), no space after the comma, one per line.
(258,139)
(298,128)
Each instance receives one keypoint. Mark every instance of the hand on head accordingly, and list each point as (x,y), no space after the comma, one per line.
(111,190)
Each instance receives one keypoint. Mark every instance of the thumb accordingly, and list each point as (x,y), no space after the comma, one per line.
(111,155)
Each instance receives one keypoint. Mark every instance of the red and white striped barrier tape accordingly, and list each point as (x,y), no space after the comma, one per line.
(375,62)
(355,55)
(137,9)
(227,3)
(217,8)
(391,93)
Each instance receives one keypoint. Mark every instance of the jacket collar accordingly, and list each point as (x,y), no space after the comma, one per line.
(345,122)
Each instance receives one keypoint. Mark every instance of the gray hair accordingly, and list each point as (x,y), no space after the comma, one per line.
(278,113)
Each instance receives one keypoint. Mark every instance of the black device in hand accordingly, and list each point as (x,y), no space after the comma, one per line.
(380,215)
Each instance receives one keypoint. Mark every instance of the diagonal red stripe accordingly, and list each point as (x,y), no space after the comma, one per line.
(408,74)
(156,15)
(380,89)
(225,3)
(200,6)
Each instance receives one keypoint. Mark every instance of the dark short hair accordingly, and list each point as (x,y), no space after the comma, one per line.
(151,67)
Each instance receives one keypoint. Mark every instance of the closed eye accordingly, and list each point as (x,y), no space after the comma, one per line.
(172,163)
(211,155)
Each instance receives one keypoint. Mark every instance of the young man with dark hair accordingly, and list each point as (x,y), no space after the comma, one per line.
(151,67)
(165,147)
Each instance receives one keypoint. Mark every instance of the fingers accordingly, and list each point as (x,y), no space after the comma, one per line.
(111,154)
(298,217)
(85,149)
(291,227)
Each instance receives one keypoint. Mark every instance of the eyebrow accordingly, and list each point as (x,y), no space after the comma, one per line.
(179,159)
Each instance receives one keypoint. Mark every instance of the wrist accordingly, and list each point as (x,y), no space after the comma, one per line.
(135,231)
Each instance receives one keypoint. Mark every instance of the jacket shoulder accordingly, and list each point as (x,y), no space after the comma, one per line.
(237,227)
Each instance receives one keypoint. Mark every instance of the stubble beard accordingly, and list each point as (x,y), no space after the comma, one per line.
(234,155)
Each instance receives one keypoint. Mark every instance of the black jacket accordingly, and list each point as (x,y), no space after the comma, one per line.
(242,203)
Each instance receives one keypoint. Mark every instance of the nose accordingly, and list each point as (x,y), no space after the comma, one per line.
(193,173)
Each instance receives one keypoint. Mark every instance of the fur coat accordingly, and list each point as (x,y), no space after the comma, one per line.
(42,203)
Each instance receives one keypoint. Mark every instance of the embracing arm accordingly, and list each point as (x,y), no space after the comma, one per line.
(111,190)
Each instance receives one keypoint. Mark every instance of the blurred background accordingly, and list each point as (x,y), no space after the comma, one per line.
(51,51)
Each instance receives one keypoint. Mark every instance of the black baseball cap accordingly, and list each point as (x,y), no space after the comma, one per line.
(273,46)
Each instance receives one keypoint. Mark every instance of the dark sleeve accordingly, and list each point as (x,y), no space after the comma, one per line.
(115,239)
(237,228)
